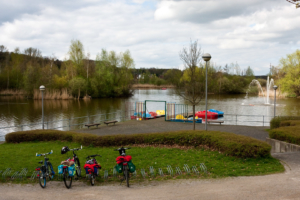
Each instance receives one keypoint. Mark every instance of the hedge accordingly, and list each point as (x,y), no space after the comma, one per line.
(275,122)
(288,131)
(227,143)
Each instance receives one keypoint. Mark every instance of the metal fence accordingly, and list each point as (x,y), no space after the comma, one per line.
(76,122)
(247,120)
(79,122)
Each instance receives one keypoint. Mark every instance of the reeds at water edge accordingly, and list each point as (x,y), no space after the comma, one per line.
(52,94)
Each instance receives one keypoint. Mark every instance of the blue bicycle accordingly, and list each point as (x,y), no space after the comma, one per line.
(46,170)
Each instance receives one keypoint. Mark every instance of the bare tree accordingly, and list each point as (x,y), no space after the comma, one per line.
(192,83)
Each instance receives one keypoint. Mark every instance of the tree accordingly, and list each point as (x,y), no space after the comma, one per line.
(76,55)
(77,84)
(249,72)
(193,79)
(290,66)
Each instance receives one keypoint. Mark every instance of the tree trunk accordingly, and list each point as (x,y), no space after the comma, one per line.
(194,122)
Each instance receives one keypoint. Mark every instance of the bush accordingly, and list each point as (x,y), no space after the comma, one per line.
(289,131)
(275,122)
(227,143)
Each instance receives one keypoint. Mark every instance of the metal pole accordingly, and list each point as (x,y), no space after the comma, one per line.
(263,120)
(205,97)
(43,108)
(275,105)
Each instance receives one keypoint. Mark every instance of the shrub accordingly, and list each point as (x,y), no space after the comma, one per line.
(289,131)
(275,122)
(227,143)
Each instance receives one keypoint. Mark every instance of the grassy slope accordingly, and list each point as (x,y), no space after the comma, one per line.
(17,156)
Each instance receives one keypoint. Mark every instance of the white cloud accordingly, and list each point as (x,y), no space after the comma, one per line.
(252,33)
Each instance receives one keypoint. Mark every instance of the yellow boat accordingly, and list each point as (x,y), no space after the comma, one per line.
(160,112)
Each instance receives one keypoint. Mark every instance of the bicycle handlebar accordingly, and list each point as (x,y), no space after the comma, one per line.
(44,154)
(93,156)
(76,149)
(122,148)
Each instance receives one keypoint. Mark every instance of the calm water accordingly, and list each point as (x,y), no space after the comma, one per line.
(15,112)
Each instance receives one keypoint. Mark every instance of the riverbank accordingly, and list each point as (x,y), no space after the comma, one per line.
(151,86)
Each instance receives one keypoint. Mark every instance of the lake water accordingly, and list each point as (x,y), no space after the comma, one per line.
(238,109)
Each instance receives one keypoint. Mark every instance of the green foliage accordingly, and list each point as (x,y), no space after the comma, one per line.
(227,143)
(275,122)
(288,131)
(290,66)
(218,164)
(77,85)
(109,76)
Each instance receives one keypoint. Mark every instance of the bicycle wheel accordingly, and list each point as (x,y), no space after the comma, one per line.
(67,179)
(126,175)
(78,169)
(49,171)
(92,179)
(42,179)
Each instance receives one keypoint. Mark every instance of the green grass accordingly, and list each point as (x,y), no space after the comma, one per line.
(22,155)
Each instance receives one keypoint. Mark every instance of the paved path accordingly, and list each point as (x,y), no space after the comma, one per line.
(159,125)
(270,187)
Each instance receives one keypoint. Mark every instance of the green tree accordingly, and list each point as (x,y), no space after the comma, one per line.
(76,55)
(290,66)
(249,72)
(77,85)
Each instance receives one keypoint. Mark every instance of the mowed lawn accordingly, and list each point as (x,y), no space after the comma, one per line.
(22,155)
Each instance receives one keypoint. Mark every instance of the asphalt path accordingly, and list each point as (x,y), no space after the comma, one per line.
(160,125)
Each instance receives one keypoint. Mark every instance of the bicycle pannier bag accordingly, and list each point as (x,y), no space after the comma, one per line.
(60,169)
(71,170)
(131,167)
(119,168)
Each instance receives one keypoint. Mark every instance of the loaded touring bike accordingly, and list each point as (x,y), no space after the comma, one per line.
(46,170)
(92,168)
(124,164)
(70,167)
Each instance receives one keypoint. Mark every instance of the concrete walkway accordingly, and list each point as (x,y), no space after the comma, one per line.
(160,125)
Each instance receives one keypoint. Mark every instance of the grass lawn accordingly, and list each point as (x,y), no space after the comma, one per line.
(22,155)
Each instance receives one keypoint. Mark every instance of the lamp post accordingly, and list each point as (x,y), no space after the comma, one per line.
(275,88)
(206,57)
(42,88)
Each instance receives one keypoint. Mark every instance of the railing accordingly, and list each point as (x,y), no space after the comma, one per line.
(255,120)
(76,121)
(79,122)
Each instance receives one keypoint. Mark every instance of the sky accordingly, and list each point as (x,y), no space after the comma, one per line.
(251,33)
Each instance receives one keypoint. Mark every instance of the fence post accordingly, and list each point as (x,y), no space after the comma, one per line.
(69,123)
(263,120)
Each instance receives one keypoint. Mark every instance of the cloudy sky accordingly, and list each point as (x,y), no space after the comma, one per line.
(250,32)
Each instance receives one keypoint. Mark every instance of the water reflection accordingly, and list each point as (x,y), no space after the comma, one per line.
(18,111)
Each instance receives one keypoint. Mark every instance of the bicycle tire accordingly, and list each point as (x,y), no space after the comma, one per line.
(42,179)
(67,179)
(92,179)
(78,169)
(126,174)
(49,171)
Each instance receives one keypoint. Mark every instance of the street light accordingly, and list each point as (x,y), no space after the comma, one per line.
(275,88)
(42,88)
(206,57)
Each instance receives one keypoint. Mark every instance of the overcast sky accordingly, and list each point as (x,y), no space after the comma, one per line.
(252,33)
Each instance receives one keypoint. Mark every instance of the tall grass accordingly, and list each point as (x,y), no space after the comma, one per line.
(52,94)
(12,92)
